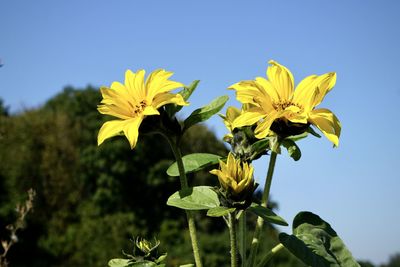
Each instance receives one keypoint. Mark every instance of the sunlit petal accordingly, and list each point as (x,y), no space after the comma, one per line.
(248,118)
(324,84)
(328,123)
(282,79)
(131,130)
(110,129)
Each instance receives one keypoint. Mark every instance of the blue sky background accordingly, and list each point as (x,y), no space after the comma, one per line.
(46,45)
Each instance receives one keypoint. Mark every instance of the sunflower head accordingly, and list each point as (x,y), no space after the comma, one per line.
(236,179)
(279,108)
(130,103)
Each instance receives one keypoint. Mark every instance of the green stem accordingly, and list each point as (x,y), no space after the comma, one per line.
(242,238)
(269,256)
(189,215)
(264,201)
(232,234)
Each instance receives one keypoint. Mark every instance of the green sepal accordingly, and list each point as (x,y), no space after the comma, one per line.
(194,198)
(267,214)
(219,211)
(259,148)
(298,137)
(292,148)
(310,130)
(315,243)
(194,162)
(274,144)
(204,113)
(187,91)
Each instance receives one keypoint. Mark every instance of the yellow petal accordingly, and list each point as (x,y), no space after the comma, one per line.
(168,98)
(115,97)
(150,110)
(269,88)
(263,128)
(110,129)
(324,84)
(249,117)
(232,113)
(282,79)
(115,111)
(246,91)
(305,92)
(158,83)
(328,123)
(135,84)
(131,130)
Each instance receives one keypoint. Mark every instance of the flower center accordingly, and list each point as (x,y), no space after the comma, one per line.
(283,104)
(138,108)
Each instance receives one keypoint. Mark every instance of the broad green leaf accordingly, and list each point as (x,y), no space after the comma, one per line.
(267,214)
(204,113)
(194,198)
(194,162)
(315,243)
(187,265)
(120,263)
(185,93)
(292,148)
(219,211)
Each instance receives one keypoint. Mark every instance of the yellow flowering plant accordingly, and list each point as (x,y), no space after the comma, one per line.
(273,114)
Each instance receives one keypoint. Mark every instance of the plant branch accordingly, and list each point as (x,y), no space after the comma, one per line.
(184,185)
(264,202)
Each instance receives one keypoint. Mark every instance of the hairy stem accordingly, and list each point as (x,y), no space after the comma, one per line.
(264,201)
(189,215)
(242,238)
(269,256)
(232,234)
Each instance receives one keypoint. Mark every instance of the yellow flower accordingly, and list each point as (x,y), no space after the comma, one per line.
(133,101)
(231,114)
(275,100)
(234,176)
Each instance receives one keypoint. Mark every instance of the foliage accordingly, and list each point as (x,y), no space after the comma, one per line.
(91,200)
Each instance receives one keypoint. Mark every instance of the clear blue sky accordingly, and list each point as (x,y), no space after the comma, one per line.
(46,45)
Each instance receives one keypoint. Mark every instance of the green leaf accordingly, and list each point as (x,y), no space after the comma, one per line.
(204,113)
(194,198)
(219,211)
(185,93)
(194,162)
(187,265)
(315,243)
(267,214)
(259,147)
(188,90)
(161,258)
(292,148)
(120,263)
(144,264)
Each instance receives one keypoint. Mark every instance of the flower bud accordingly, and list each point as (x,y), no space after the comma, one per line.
(236,179)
